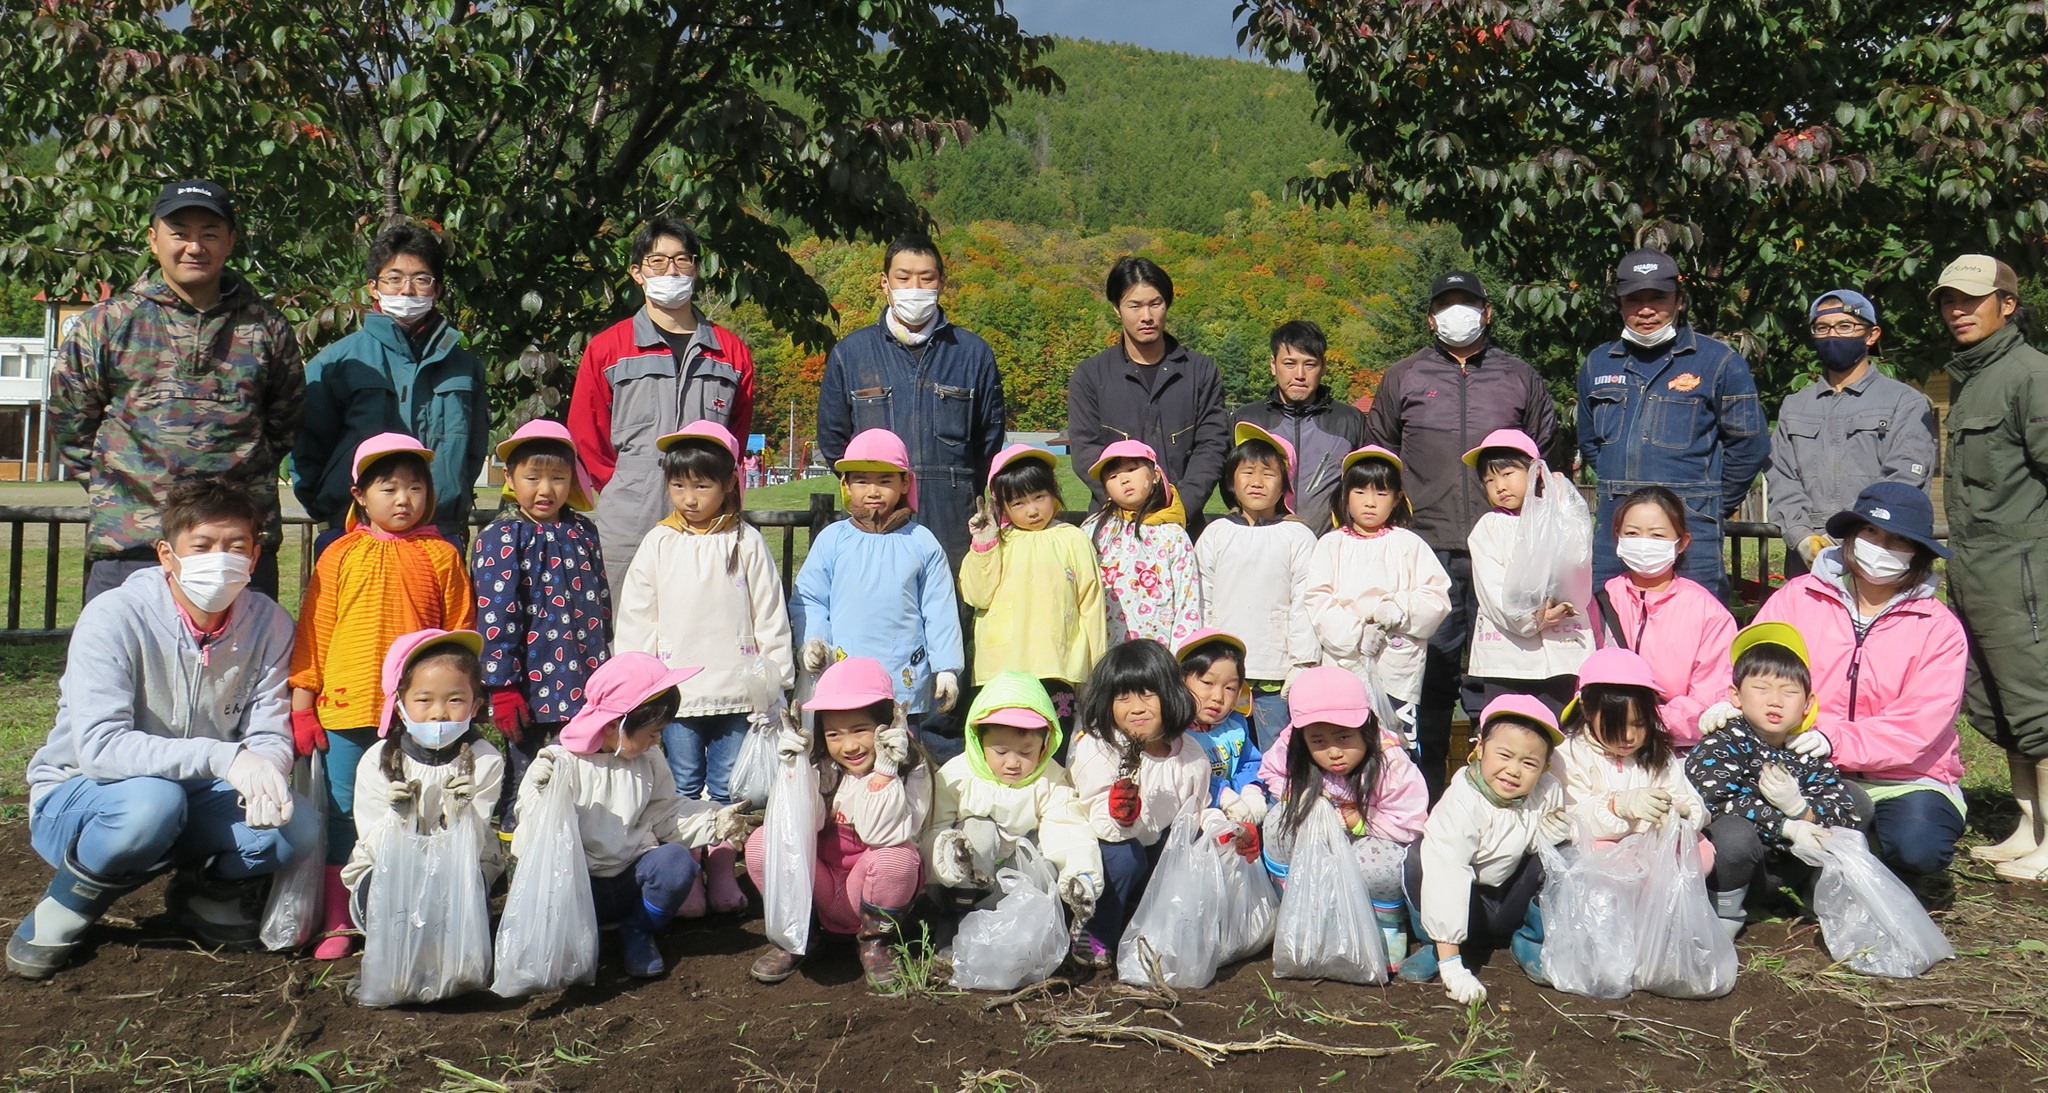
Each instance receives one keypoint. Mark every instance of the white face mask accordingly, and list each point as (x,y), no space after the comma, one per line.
(1647,557)
(670,289)
(1651,340)
(214,579)
(1881,565)
(913,306)
(432,735)
(405,309)
(1459,325)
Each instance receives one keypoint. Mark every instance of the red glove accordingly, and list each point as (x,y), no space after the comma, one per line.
(510,712)
(1123,801)
(1247,839)
(307,735)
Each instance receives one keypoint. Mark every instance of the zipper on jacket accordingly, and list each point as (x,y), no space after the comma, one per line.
(2027,590)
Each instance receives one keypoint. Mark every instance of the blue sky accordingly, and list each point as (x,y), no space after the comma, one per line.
(1202,27)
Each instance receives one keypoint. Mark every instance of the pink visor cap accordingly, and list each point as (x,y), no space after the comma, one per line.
(377,447)
(1611,666)
(1514,439)
(1328,695)
(1523,708)
(582,495)
(618,687)
(409,648)
(852,684)
(1016,717)
(1127,449)
(879,450)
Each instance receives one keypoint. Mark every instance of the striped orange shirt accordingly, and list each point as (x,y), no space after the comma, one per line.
(368,590)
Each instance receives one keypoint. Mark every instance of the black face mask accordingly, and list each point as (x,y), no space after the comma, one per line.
(1840,354)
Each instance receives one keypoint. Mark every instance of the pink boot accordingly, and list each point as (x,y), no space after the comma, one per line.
(337,930)
(726,896)
(693,903)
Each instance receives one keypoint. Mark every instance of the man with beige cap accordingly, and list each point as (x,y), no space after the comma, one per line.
(1997,497)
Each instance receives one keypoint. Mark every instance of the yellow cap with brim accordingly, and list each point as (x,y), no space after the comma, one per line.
(1787,636)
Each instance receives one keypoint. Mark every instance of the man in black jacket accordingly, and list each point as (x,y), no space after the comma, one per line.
(1301,411)
(1432,407)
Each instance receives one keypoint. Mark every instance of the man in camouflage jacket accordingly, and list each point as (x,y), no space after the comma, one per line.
(186,372)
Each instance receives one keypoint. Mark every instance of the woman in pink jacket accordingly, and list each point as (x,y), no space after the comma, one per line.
(1888,661)
(1678,626)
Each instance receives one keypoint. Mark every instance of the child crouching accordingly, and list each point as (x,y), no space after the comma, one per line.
(637,833)
(878,790)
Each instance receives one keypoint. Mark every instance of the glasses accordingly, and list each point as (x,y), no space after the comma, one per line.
(1846,329)
(392,282)
(662,263)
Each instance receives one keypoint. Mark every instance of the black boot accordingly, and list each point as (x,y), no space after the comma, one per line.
(221,913)
(76,899)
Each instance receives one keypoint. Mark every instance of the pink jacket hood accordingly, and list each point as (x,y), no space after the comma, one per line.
(1685,640)
(1906,677)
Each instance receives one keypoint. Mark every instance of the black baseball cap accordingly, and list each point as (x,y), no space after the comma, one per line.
(1648,268)
(1457,281)
(193,193)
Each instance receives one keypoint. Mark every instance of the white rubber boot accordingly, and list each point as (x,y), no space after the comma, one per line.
(2027,838)
(2033,867)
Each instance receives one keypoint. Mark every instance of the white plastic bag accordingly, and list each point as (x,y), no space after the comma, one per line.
(1553,552)
(1681,949)
(1249,904)
(547,937)
(1868,916)
(291,915)
(791,833)
(753,769)
(1592,904)
(1020,940)
(427,927)
(1325,928)
(1174,922)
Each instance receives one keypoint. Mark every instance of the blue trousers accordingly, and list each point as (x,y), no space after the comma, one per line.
(124,828)
(1916,833)
(658,881)
(1269,716)
(701,751)
(1127,869)
(345,750)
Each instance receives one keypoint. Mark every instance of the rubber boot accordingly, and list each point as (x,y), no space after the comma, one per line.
(775,965)
(877,945)
(2028,836)
(221,913)
(75,899)
(636,934)
(1729,906)
(1420,967)
(693,900)
(2032,868)
(1527,945)
(1393,923)
(724,885)
(337,929)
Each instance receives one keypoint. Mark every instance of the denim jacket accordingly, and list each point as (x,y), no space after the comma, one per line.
(1688,419)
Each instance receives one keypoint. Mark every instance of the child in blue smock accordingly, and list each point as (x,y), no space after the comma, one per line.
(1212,666)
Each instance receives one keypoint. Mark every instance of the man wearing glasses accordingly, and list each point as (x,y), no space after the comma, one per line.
(650,375)
(1851,427)
(405,371)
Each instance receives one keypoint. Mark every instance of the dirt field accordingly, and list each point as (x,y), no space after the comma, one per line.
(147,1010)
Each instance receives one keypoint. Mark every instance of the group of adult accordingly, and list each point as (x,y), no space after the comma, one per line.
(189,372)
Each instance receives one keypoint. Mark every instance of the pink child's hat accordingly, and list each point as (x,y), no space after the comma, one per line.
(377,447)
(1328,695)
(852,684)
(1612,666)
(1245,430)
(1514,439)
(618,686)
(1128,449)
(879,450)
(1522,707)
(409,648)
(700,431)
(581,494)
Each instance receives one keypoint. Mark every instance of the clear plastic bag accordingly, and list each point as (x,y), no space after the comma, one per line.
(1553,552)
(1681,949)
(1173,923)
(1868,917)
(1249,905)
(291,914)
(427,926)
(753,769)
(763,683)
(1592,903)
(547,937)
(1020,940)
(791,833)
(1325,928)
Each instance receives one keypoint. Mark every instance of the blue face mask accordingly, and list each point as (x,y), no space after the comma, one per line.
(1840,354)
(433,735)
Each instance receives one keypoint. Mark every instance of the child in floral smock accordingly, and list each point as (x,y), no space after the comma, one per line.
(1151,585)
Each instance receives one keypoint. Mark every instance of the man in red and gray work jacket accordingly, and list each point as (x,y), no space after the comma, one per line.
(1431,408)
(647,376)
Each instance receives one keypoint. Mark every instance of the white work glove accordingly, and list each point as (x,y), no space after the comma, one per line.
(1777,786)
(1717,715)
(982,529)
(1079,892)
(1389,615)
(1649,804)
(791,744)
(892,745)
(1813,744)
(953,859)
(541,769)
(1249,807)
(1372,640)
(945,690)
(816,656)
(734,823)
(1805,837)
(404,795)
(266,795)
(456,793)
(1554,827)
(1459,982)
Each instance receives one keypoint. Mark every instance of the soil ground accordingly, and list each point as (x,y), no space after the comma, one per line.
(146,1009)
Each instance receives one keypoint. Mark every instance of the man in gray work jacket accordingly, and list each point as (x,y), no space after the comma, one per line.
(1852,427)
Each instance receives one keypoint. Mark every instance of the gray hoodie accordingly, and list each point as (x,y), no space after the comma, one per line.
(141,699)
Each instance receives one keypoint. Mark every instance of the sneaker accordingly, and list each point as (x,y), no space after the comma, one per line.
(1088,951)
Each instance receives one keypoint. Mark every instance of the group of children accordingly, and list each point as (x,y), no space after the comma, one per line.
(1115,666)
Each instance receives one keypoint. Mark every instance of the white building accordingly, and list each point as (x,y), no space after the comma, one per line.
(24,395)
